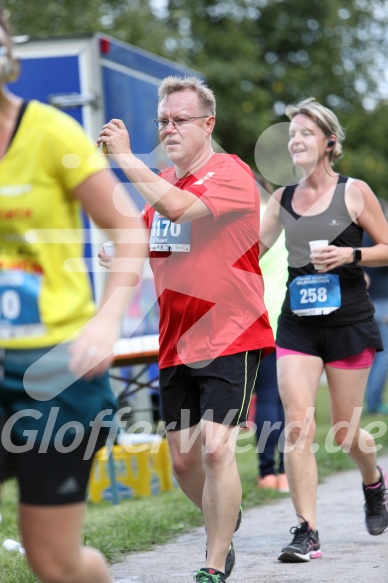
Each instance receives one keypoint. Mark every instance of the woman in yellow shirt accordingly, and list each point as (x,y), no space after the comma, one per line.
(56,405)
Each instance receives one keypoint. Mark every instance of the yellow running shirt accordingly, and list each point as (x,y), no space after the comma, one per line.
(42,301)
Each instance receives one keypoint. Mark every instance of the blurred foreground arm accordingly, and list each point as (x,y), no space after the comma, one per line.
(111,208)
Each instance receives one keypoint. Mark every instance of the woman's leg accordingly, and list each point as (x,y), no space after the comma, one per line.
(298,379)
(347,388)
(51,536)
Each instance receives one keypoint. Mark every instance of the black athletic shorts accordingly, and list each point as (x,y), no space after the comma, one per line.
(330,343)
(220,391)
(49,443)
(51,478)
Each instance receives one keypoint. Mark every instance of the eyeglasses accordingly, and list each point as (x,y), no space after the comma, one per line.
(162,124)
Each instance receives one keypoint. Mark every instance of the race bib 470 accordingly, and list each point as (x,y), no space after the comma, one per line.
(169,236)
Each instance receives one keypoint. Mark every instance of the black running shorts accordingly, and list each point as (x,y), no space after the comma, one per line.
(330,343)
(218,391)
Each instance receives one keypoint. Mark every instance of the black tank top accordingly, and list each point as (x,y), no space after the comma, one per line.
(334,224)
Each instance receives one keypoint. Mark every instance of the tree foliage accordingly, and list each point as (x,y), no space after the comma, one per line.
(129,20)
(258,56)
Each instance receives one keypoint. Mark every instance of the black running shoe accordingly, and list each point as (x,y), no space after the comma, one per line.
(239,518)
(231,556)
(207,575)
(230,561)
(303,547)
(376,505)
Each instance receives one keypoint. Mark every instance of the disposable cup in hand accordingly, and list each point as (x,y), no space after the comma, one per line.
(109,248)
(316,246)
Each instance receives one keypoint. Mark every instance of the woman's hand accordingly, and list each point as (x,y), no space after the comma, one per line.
(91,354)
(331,257)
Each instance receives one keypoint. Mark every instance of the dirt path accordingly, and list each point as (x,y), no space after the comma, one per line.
(350,554)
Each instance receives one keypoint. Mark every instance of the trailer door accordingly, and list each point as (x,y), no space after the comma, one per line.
(66,73)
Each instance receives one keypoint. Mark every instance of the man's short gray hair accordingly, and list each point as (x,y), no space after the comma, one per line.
(206,97)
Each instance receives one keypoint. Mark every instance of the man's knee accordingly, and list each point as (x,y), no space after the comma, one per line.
(183,463)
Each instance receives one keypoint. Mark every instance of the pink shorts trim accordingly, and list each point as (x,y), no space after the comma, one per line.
(286,352)
(362,360)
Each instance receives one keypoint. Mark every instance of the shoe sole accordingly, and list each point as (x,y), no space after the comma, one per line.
(292,557)
(378,532)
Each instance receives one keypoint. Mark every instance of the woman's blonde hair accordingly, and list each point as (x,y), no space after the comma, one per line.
(206,97)
(324,118)
(4,21)
(12,63)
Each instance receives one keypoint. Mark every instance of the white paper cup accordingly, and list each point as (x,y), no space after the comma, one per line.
(109,248)
(13,545)
(316,246)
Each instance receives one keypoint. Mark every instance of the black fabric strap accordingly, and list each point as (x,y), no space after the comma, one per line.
(18,120)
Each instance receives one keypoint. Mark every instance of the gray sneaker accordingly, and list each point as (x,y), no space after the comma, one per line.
(303,547)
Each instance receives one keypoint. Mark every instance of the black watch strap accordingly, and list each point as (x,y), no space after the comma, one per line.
(357,256)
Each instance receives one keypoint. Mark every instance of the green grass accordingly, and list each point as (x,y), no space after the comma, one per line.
(140,523)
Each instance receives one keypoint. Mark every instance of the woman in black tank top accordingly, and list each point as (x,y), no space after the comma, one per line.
(327,321)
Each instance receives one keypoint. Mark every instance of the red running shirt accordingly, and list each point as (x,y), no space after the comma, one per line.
(211,294)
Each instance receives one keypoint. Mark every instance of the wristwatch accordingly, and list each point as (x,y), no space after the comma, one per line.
(357,256)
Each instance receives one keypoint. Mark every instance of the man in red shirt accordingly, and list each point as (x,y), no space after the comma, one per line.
(203,217)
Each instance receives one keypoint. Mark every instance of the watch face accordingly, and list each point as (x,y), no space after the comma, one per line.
(356,255)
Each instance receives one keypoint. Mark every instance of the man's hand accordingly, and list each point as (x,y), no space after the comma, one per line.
(114,138)
(104,259)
